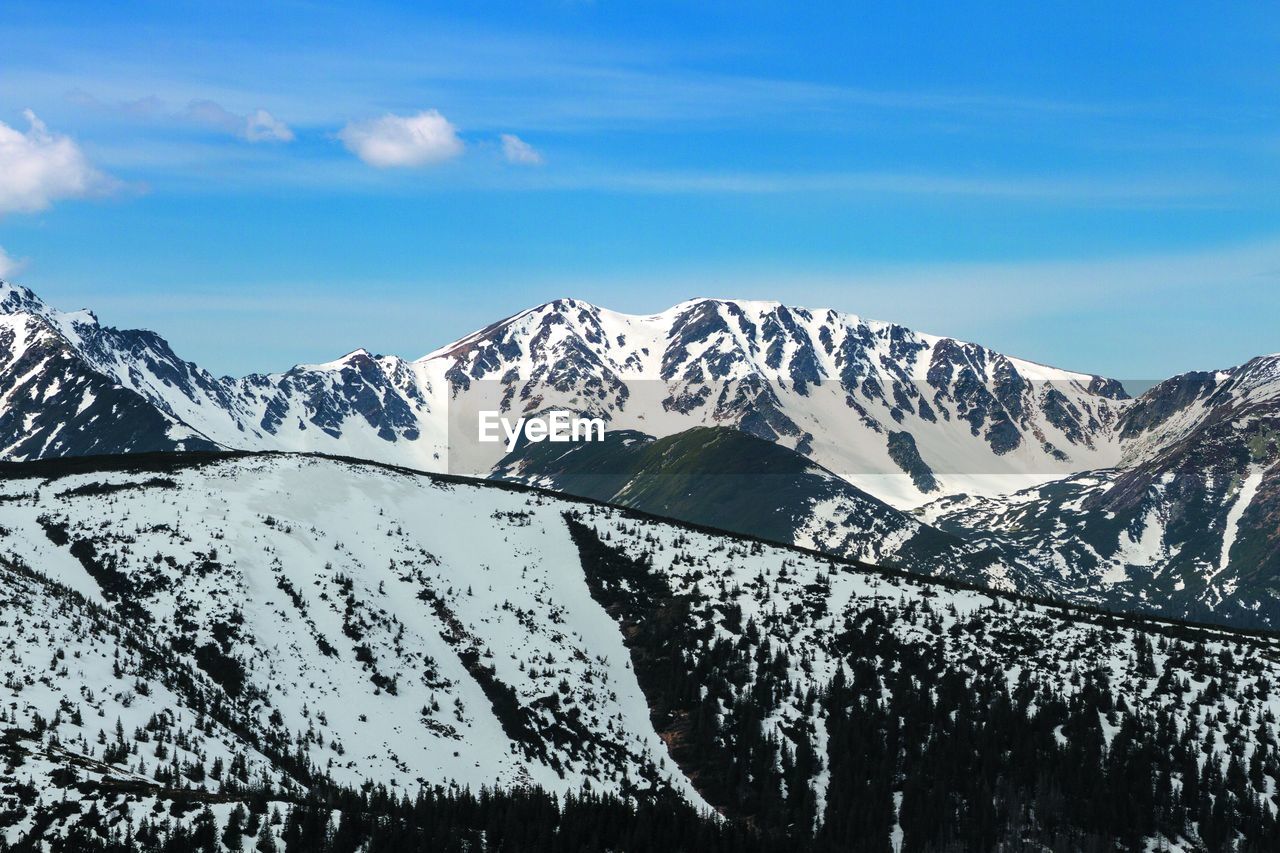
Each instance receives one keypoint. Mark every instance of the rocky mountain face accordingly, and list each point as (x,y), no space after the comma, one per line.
(263,650)
(1189,526)
(901,415)
(73,386)
(63,391)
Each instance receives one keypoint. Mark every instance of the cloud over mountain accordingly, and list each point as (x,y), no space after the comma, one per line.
(8,264)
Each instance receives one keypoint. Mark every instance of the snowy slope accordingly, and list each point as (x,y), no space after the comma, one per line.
(97,715)
(325,618)
(1177,408)
(374,587)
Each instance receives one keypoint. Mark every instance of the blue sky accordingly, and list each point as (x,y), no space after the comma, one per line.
(1092,185)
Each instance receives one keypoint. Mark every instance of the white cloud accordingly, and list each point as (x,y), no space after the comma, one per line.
(8,264)
(516,150)
(39,167)
(399,141)
(258,126)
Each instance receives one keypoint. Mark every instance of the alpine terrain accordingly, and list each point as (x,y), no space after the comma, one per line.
(279,651)
(880,444)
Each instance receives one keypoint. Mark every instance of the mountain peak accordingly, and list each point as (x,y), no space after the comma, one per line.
(357,356)
(16,299)
(760,305)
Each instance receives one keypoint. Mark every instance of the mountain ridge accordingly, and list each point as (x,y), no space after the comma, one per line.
(777,372)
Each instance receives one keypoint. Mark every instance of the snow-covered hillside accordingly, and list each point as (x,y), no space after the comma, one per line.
(305,623)
(389,590)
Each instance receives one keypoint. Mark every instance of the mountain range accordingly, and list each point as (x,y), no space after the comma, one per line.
(826,584)
(811,427)
(901,415)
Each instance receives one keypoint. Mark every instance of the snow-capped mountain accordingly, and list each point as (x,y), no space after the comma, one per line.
(69,386)
(73,386)
(904,416)
(185,635)
(1178,409)
(1189,526)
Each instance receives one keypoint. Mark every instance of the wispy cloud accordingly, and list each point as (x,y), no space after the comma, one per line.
(490,81)
(517,151)
(8,264)
(395,141)
(223,170)
(610,106)
(1081,189)
(262,126)
(38,167)
(255,126)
